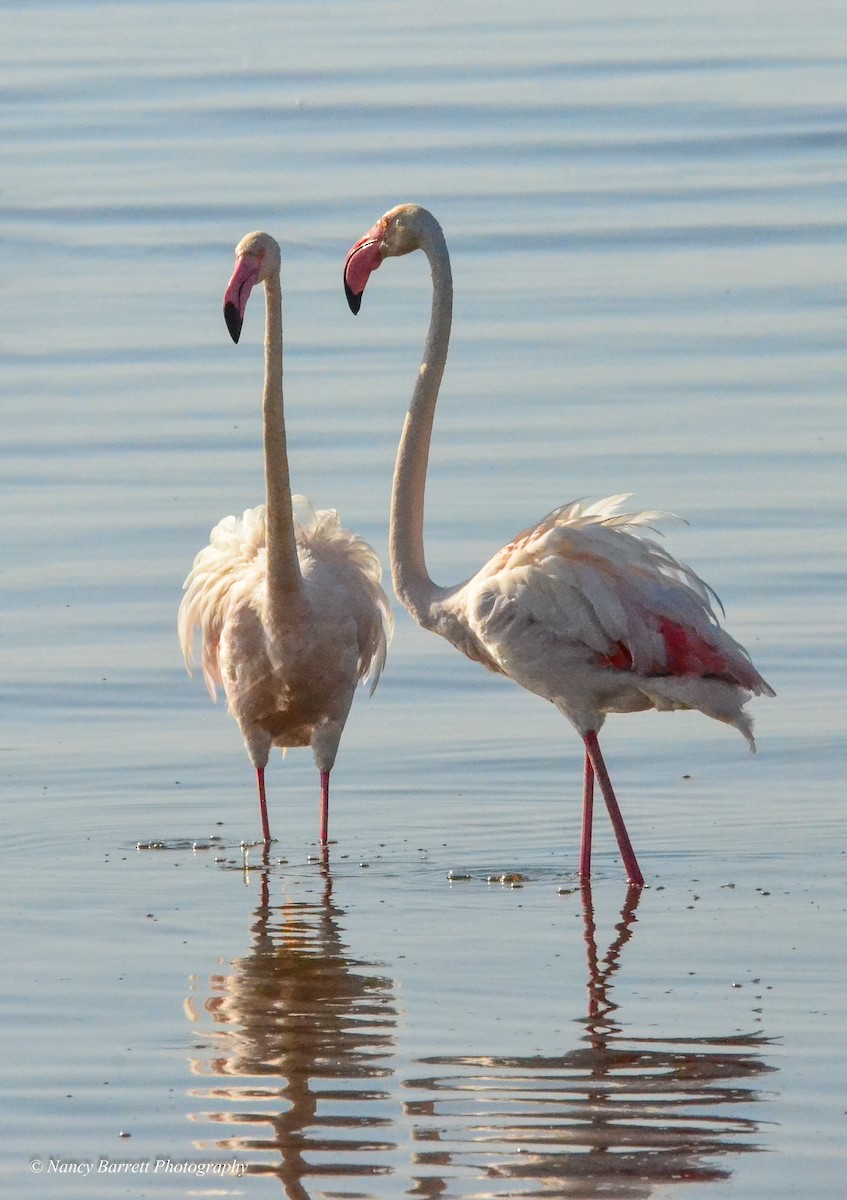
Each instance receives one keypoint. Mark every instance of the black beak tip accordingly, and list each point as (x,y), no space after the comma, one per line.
(233,321)
(354,299)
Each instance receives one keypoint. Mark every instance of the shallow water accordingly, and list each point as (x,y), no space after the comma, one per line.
(645,216)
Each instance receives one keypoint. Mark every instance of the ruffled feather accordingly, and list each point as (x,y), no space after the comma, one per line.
(320,534)
(233,568)
(588,580)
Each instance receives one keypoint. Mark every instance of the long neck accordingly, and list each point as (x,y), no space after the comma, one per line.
(412,582)
(285,582)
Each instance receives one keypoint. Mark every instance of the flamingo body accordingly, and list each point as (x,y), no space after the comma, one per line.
(287,691)
(288,603)
(583,608)
(587,612)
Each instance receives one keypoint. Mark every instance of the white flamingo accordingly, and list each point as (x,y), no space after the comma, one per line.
(581,608)
(288,603)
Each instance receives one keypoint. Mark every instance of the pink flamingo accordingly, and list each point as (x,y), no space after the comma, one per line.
(581,608)
(288,603)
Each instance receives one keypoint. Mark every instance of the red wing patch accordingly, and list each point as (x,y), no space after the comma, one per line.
(686,654)
(620,660)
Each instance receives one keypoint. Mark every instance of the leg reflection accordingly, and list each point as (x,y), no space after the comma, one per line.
(299,1035)
(618,1114)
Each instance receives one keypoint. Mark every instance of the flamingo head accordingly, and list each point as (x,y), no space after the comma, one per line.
(399,231)
(256,258)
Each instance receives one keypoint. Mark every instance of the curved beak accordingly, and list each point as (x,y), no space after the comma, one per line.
(363,259)
(238,291)
(234,321)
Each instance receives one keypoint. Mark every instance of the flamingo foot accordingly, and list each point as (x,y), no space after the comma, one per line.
(324,825)
(263,805)
(595,757)
(587,820)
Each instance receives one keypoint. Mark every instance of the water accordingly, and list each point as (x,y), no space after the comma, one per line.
(645,216)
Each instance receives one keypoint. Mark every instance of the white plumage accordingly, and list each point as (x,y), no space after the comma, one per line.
(341,572)
(585,591)
(583,608)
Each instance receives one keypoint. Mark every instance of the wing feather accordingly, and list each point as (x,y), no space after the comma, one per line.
(589,575)
(321,536)
(232,570)
(232,564)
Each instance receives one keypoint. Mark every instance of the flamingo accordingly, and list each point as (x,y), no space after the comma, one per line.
(582,608)
(288,603)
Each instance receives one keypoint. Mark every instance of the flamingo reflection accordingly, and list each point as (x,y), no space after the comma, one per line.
(617,1116)
(305,1032)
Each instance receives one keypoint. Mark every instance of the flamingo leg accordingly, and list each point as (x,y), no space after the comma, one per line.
(592,750)
(263,805)
(324,831)
(587,819)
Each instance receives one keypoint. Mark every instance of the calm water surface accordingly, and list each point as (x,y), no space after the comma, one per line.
(645,211)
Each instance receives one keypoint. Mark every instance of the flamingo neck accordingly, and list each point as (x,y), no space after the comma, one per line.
(412,583)
(284,579)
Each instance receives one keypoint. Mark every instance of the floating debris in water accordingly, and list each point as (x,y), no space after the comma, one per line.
(458,876)
(207,843)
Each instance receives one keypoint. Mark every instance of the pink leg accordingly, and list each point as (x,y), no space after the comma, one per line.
(324,835)
(263,807)
(587,819)
(592,749)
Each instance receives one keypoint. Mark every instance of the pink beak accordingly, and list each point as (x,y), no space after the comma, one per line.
(363,259)
(237,292)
